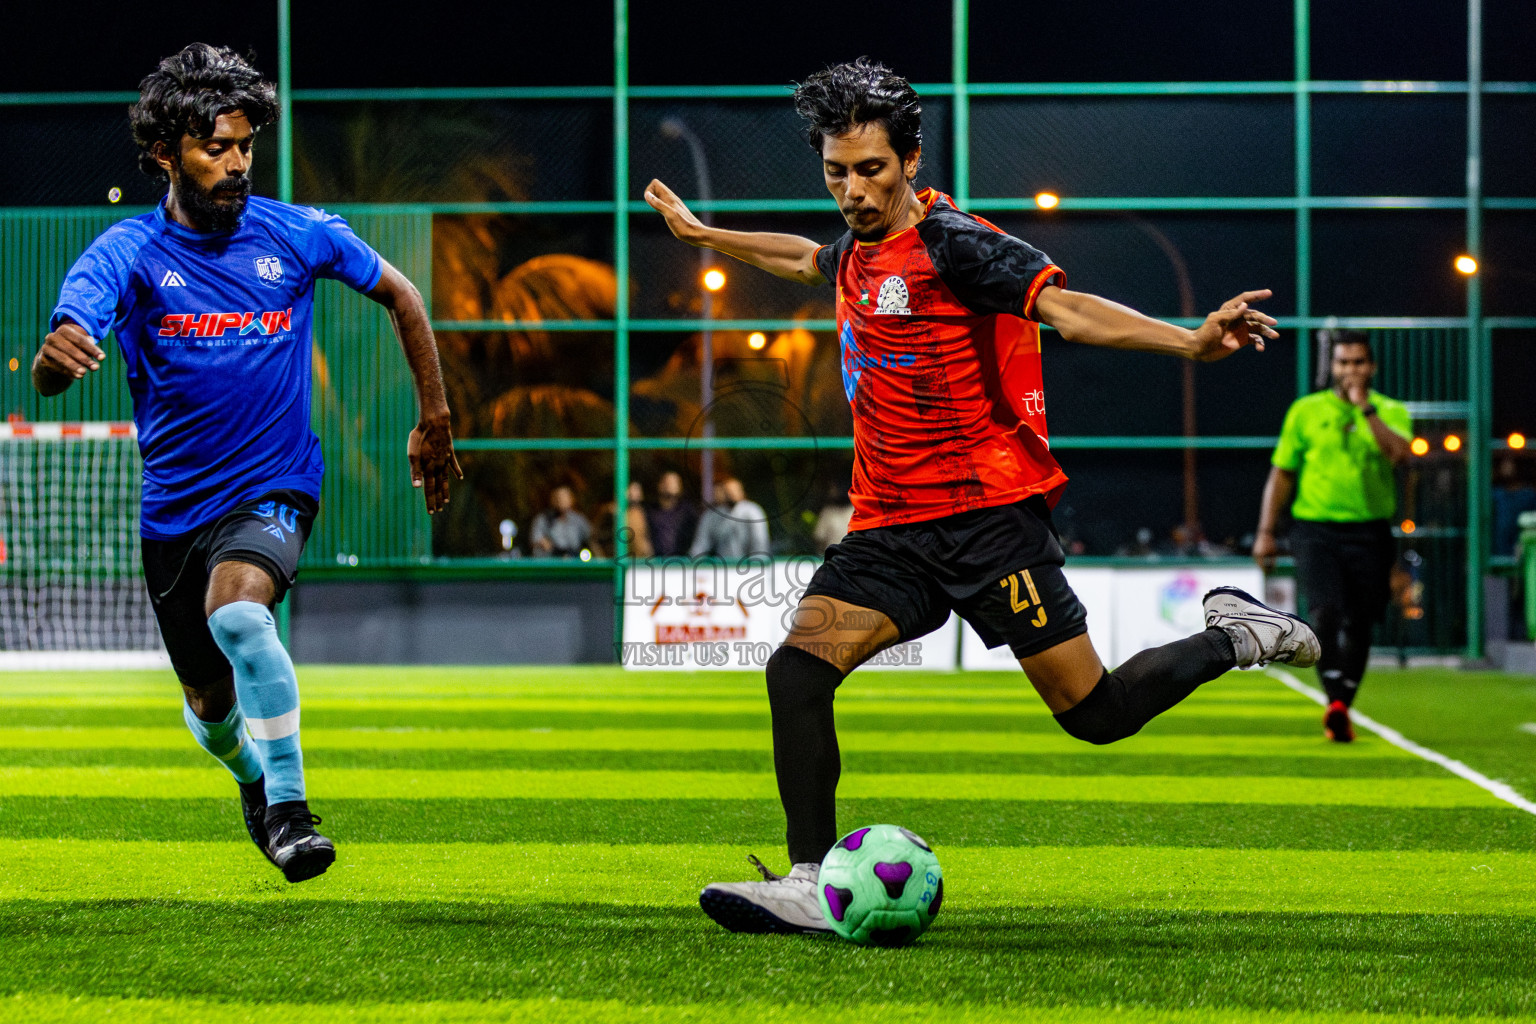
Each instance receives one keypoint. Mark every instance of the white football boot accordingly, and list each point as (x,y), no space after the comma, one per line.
(1260,634)
(779,903)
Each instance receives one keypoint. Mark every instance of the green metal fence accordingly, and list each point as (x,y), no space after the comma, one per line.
(363,401)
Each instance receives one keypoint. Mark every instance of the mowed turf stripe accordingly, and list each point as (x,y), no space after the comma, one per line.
(402,708)
(1181,721)
(179,783)
(1118,878)
(748,760)
(361,682)
(47,1008)
(759,824)
(916,743)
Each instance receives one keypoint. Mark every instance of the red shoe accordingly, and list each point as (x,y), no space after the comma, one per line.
(1336,723)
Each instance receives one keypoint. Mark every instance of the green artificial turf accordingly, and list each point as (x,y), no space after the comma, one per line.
(523,844)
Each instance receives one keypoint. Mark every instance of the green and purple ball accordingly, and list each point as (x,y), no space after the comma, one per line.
(880,886)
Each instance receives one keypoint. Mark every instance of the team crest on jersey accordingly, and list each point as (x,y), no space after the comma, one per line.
(270,270)
(893,297)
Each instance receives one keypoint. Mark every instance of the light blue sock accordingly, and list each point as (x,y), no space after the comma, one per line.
(268,693)
(226,741)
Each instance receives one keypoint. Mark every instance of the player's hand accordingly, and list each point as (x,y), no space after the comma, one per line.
(1357,394)
(1264,551)
(680,220)
(70,352)
(1235,325)
(430,450)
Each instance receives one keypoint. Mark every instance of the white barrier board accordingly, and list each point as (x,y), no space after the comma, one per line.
(683,615)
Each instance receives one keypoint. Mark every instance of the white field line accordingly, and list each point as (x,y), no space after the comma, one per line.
(1529,727)
(1499,789)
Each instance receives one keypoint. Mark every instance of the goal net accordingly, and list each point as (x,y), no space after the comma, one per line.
(71,587)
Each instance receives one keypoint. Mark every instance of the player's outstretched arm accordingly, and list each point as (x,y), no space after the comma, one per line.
(787,256)
(1091,320)
(68,354)
(430,447)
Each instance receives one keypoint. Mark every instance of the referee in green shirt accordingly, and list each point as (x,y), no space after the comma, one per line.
(1336,454)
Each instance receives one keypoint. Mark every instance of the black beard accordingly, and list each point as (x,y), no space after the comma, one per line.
(203,209)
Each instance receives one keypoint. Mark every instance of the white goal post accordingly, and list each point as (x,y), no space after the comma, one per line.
(72,589)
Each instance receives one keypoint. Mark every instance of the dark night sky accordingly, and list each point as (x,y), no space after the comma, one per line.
(71,45)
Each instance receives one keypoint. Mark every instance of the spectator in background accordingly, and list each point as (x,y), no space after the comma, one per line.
(732,528)
(560,531)
(1511,496)
(1337,452)
(673,520)
(603,544)
(832,522)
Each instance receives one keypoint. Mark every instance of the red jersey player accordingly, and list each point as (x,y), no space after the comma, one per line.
(953,478)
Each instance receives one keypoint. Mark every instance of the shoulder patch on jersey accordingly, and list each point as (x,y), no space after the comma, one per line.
(270,270)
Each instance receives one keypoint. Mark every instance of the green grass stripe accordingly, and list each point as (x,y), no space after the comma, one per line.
(179,783)
(759,824)
(1110,878)
(54,1009)
(918,743)
(331,953)
(1181,721)
(748,760)
(402,708)
(343,681)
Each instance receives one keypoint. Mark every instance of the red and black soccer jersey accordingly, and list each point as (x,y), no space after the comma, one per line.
(941,363)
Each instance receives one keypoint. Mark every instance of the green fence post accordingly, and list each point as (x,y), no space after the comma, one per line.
(1303,112)
(621,308)
(284,188)
(1480,375)
(960,73)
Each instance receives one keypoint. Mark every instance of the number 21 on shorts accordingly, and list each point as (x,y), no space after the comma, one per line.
(1020,602)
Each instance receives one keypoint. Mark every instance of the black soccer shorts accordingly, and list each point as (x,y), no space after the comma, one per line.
(1000,568)
(269,532)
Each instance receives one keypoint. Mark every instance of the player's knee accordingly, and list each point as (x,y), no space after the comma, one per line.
(798,678)
(1102,716)
(236,625)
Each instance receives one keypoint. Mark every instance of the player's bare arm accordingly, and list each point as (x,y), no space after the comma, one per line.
(67,355)
(1278,490)
(430,447)
(786,256)
(1091,320)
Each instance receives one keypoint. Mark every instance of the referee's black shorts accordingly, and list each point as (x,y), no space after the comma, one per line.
(1000,568)
(268,532)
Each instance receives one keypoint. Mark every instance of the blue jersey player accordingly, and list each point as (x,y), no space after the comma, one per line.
(211,297)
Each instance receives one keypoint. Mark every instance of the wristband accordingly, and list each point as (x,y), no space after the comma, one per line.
(1368,409)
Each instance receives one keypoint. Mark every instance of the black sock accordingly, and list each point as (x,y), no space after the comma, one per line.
(1148,684)
(805,754)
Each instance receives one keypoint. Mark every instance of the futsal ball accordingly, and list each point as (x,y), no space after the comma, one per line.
(880,886)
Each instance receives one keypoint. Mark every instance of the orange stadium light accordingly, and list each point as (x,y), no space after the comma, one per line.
(1409,526)
(1516,440)
(1047,200)
(1466,265)
(1452,443)
(714,280)
(1419,446)
(756,340)
(15,364)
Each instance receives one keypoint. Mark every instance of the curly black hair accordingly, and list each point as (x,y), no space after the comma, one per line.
(189,90)
(863,91)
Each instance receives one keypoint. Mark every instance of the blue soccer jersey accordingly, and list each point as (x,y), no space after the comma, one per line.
(215,335)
